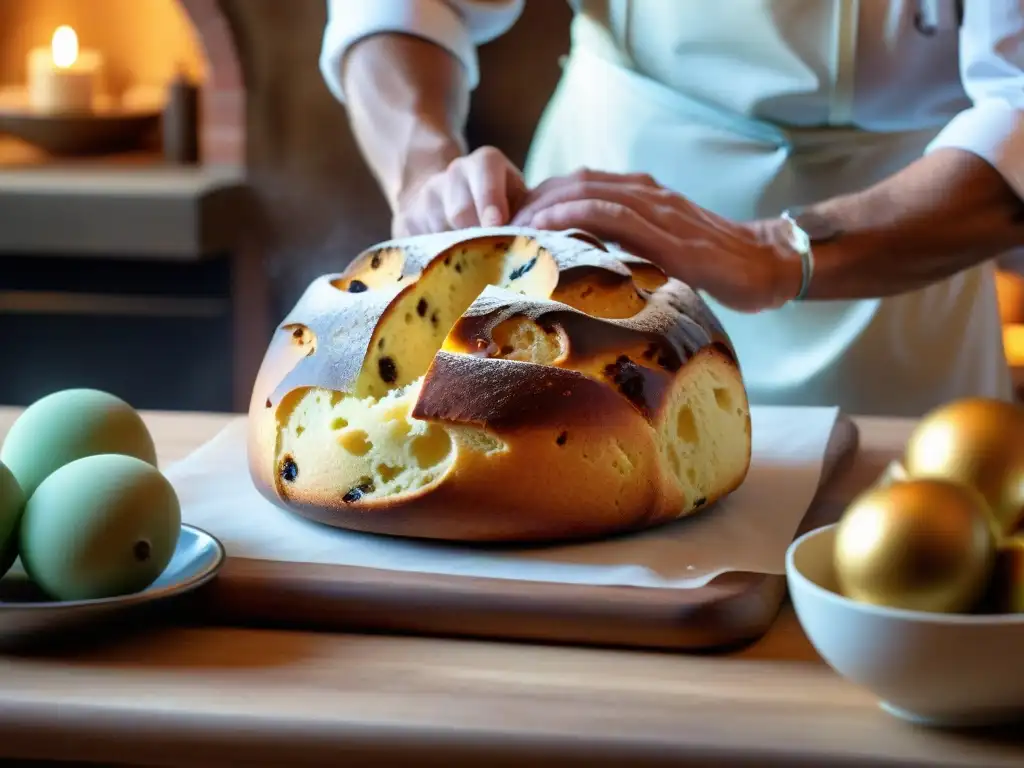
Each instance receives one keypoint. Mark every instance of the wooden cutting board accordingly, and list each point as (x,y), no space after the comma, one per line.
(734,609)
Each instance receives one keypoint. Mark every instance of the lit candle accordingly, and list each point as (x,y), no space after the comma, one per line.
(62,78)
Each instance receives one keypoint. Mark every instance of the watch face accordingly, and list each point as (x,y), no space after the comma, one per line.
(818,228)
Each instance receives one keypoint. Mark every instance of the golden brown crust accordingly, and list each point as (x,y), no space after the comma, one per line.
(670,328)
(552,497)
(508,394)
(581,434)
(500,497)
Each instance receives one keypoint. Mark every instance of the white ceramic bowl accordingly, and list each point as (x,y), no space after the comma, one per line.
(930,668)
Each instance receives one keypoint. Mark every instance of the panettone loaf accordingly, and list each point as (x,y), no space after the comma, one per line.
(501,385)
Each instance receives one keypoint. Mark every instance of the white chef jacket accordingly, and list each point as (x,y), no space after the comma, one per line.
(971,80)
(729,104)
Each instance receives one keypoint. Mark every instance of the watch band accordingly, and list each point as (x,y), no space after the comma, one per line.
(801,242)
(806,229)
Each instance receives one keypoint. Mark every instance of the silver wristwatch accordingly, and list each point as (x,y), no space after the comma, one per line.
(805,229)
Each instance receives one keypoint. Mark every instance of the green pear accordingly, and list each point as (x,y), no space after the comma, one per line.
(70,425)
(101,526)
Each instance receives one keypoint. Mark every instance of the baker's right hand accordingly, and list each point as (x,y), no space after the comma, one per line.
(483,188)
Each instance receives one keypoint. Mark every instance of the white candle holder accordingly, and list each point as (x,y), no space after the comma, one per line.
(62,78)
(62,112)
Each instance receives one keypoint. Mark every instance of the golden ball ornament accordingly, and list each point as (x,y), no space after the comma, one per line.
(1006,587)
(924,545)
(978,442)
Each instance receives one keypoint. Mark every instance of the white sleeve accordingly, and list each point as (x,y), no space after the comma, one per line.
(992,71)
(458,26)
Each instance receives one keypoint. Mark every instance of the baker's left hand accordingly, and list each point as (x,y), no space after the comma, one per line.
(747,267)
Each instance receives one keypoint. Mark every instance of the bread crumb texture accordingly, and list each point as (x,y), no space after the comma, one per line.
(499,385)
(334,446)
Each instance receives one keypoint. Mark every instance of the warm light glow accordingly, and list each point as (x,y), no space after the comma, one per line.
(64,47)
(1013,343)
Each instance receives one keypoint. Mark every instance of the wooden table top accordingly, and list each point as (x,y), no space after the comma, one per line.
(183,695)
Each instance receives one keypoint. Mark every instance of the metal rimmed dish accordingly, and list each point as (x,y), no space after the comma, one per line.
(936,669)
(197,559)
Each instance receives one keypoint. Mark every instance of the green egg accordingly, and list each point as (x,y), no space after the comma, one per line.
(70,425)
(12,502)
(100,526)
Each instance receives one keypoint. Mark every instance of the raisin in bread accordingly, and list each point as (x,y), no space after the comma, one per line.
(498,385)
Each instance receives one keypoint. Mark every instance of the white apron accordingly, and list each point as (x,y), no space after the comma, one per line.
(894,356)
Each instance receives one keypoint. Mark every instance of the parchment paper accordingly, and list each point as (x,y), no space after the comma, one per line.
(748,531)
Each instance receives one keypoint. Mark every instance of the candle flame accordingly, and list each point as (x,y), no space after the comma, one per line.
(64,46)
(1013,342)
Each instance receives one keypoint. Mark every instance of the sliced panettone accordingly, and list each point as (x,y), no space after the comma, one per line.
(498,385)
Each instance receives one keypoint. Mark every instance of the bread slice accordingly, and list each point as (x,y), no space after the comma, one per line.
(498,385)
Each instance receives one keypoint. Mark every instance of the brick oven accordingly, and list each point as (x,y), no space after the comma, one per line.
(142,43)
(222,125)
(131,272)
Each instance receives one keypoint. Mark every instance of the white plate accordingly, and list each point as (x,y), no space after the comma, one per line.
(935,669)
(197,559)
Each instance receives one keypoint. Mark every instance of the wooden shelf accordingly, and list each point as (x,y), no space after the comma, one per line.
(20,155)
(132,206)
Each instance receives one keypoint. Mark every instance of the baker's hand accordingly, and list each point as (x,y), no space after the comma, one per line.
(747,267)
(479,189)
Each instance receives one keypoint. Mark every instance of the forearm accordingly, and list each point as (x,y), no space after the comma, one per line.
(944,213)
(408,101)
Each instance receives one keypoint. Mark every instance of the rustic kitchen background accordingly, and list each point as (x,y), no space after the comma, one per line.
(141,272)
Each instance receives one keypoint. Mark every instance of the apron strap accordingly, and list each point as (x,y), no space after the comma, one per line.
(844,48)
